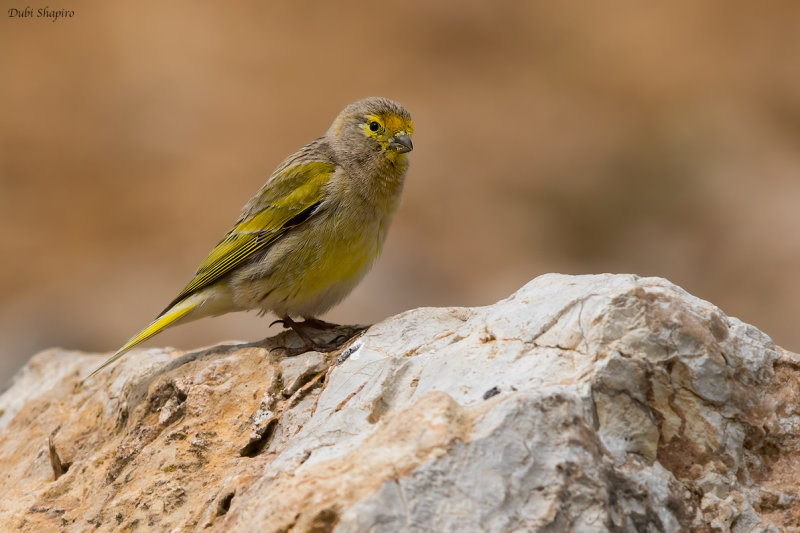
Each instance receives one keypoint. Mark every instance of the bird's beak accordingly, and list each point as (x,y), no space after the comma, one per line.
(401,144)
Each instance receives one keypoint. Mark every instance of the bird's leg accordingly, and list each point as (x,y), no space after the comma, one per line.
(297,327)
(309,344)
(316,323)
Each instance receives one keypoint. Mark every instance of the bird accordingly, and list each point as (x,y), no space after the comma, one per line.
(310,234)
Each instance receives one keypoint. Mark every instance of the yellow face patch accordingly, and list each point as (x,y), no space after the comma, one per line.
(382,127)
(396,124)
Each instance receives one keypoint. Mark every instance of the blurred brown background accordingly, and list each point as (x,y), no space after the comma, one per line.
(550,137)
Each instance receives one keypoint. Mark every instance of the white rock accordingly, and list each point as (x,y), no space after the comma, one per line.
(580,403)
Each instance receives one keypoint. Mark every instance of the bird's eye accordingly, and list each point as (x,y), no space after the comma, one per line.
(374,126)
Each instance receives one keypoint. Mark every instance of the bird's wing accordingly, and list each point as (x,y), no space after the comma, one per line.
(286,200)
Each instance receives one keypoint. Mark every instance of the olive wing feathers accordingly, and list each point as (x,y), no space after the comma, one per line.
(285,201)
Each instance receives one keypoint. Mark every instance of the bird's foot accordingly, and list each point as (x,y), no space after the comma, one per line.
(312,344)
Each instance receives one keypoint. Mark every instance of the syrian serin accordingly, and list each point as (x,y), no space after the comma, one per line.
(306,239)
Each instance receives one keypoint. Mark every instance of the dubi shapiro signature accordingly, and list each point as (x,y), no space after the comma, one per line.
(41,13)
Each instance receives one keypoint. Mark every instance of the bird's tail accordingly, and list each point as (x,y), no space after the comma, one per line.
(166,319)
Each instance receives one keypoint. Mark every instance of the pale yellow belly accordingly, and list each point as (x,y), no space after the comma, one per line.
(307,273)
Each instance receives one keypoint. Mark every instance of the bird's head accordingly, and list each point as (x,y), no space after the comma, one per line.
(374,126)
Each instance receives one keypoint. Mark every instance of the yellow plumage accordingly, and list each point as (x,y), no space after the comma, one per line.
(305,240)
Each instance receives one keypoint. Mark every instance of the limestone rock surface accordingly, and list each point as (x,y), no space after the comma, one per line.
(580,403)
